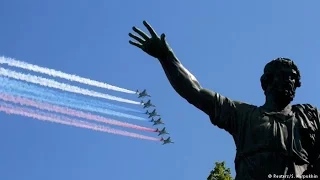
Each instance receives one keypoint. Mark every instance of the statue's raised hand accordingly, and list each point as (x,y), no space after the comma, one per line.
(155,46)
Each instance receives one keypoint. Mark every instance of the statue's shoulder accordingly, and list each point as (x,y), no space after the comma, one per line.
(245,107)
(305,107)
(308,110)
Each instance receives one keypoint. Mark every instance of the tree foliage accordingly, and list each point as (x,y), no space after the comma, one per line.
(220,172)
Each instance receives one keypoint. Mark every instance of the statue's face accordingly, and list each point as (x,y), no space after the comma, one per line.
(283,83)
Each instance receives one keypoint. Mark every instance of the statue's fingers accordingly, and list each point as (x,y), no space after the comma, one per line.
(163,37)
(150,29)
(141,33)
(136,38)
(136,44)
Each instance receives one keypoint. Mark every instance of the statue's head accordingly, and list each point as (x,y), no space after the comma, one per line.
(280,79)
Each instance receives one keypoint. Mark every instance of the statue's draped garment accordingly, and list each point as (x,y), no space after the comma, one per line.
(285,143)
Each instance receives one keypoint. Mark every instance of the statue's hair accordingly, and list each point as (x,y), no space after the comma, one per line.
(273,66)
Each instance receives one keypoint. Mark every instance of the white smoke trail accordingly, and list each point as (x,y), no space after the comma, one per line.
(9,109)
(65,87)
(55,73)
(71,112)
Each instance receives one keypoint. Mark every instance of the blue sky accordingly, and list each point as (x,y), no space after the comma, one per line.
(225,44)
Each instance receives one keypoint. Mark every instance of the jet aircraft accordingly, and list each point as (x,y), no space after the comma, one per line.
(152,114)
(157,122)
(142,94)
(161,132)
(147,104)
(166,141)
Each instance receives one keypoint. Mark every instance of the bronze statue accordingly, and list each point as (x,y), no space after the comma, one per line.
(274,141)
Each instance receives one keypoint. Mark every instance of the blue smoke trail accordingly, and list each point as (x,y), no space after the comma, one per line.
(66,96)
(18,89)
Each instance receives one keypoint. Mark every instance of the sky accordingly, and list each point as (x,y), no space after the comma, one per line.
(225,44)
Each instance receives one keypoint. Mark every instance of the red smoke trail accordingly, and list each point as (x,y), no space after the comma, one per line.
(67,111)
(9,109)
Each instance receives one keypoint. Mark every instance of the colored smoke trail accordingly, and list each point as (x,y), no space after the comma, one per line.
(9,109)
(70,112)
(55,73)
(68,98)
(62,86)
(18,91)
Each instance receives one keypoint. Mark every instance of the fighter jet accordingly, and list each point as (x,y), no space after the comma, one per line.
(152,114)
(142,94)
(147,104)
(161,132)
(166,141)
(157,122)
(152,120)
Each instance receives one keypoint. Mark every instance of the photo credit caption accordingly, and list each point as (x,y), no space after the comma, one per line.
(291,176)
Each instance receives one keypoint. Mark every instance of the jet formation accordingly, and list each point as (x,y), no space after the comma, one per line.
(152,114)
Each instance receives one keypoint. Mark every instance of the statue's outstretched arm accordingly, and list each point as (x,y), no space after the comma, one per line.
(185,84)
(180,78)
